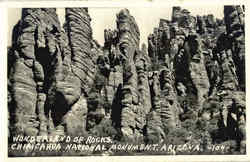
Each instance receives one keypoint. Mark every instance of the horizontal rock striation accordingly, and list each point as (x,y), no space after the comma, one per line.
(31,46)
(187,86)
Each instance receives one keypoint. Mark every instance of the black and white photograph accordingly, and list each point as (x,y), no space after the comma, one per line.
(126,81)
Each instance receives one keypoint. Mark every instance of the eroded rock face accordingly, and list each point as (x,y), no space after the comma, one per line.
(198,73)
(112,53)
(48,71)
(203,62)
(231,84)
(80,35)
(128,42)
(30,41)
(97,109)
(142,64)
(235,26)
(170,108)
(155,131)
(63,82)
(77,72)
(231,112)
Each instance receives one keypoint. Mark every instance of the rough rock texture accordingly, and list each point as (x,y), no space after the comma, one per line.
(155,132)
(186,87)
(230,89)
(142,63)
(205,67)
(128,44)
(80,35)
(197,70)
(170,108)
(84,53)
(50,73)
(74,77)
(97,109)
(235,26)
(112,53)
(30,42)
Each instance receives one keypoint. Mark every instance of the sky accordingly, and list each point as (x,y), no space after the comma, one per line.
(105,18)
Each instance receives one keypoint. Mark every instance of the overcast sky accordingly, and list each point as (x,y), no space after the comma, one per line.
(104,18)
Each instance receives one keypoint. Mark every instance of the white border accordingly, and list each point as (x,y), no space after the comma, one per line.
(112,3)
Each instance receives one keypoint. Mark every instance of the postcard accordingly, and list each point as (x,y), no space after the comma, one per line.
(125,82)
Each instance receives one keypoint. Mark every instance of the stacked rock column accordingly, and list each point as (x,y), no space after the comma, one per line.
(235,27)
(28,71)
(82,64)
(128,44)
(155,132)
(197,82)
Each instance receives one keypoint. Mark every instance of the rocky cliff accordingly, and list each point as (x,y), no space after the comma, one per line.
(186,87)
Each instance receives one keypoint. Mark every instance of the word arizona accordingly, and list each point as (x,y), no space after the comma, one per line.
(37,146)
